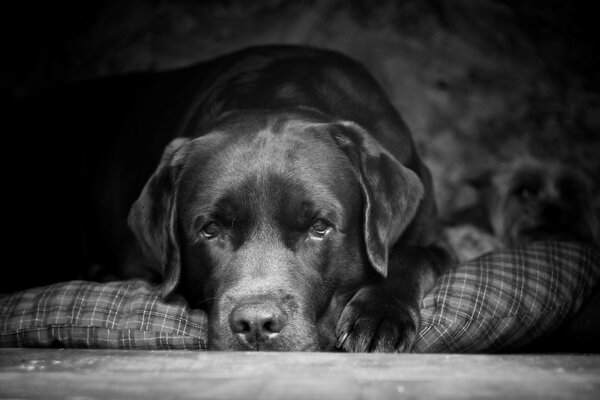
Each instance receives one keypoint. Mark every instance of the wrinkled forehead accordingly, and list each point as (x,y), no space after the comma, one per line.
(270,156)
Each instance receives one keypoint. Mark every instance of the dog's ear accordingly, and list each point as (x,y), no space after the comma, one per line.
(392,193)
(152,217)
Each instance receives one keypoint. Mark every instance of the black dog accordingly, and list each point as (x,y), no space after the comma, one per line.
(289,201)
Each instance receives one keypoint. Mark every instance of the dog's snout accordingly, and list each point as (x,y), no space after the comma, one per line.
(256,323)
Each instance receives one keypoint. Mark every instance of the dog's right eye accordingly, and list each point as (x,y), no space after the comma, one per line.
(525,194)
(210,230)
(319,229)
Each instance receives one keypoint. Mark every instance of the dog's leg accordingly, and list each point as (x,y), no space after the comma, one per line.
(384,315)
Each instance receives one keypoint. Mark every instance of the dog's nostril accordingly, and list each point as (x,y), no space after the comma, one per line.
(240,326)
(260,320)
(274,325)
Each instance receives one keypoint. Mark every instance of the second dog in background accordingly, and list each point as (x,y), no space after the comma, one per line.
(524,201)
(532,200)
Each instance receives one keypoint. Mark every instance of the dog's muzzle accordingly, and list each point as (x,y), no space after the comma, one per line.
(256,324)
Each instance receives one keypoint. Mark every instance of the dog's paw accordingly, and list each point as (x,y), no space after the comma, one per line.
(376,321)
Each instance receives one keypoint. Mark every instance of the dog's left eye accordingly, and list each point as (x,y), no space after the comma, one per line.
(319,229)
(210,230)
(526,194)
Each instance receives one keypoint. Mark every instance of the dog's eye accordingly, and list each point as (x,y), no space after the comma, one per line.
(527,193)
(320,228)
(210,230)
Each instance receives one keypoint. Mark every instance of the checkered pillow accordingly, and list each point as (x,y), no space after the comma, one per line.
(117,315)
(506,299)
(499,302)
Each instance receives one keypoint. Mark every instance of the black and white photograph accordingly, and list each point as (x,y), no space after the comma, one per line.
(300,199)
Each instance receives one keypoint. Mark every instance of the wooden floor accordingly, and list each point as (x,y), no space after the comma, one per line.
(107,374)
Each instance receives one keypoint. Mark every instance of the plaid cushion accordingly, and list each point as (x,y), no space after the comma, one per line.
(506,299)
(499,302)
(117,315)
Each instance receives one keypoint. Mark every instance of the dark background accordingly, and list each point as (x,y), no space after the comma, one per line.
(479,82)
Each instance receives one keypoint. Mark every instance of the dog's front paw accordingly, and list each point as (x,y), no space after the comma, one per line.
(376,321)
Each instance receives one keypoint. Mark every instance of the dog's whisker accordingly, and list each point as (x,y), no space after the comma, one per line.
(198,304)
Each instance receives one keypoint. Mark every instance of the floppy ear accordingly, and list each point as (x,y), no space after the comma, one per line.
(152,217)
(392,193)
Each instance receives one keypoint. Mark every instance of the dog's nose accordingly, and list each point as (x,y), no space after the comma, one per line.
(256,323)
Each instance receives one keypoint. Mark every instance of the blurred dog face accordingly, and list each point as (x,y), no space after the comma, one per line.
(532,201)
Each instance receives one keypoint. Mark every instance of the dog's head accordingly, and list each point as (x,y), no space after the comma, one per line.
(533,200)
(270,222)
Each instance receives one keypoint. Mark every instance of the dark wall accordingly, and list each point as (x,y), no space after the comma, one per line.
(479,81)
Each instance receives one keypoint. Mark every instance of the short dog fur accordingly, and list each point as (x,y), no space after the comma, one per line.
(276,187)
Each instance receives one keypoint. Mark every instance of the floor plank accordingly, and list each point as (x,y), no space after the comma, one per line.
(96,374)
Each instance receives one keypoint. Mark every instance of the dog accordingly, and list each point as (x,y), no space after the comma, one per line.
(523,201)
(534,200)
(275,187)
